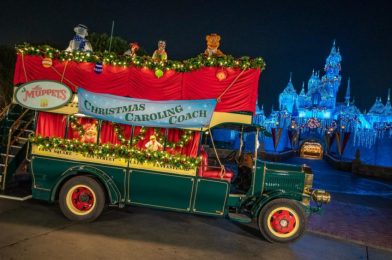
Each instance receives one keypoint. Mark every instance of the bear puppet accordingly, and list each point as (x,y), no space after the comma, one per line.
(213,42)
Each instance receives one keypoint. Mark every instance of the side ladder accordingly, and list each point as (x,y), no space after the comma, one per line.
(16,124)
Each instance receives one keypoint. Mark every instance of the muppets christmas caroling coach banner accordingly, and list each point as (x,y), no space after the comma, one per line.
(131,111)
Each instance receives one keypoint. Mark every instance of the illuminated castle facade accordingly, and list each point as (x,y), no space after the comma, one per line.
(314,114)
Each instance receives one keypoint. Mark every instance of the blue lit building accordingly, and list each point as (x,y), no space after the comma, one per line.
(315,117)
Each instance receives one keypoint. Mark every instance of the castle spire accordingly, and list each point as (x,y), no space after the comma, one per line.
(302,93)
(388,106)
(348,96)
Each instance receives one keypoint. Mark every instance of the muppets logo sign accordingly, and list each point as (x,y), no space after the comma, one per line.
(131,111)
(43,95)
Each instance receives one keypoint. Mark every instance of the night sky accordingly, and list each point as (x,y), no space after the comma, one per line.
(292,36)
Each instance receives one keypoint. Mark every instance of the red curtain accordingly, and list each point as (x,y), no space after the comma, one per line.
(174,135)
(190,149)
(51,125)
(142,83)
(90,127)
(108,135)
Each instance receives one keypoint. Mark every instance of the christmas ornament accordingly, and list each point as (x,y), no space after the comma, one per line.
(47,62)
(158,73)
(221,75)
(98,68)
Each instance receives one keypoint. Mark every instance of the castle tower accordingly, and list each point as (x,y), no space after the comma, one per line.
(302,93)
(348,96)
(288,98)
(388,107)
(331,79)
(313,82)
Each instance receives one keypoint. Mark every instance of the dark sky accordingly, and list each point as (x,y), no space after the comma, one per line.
(290,35)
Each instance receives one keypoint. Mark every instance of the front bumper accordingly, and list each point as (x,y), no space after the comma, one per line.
(320,197)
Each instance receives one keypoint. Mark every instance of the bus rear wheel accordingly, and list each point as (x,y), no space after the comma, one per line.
(82,199)
(282,220)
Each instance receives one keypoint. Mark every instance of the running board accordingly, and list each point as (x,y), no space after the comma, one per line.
(241,218)
(16,198)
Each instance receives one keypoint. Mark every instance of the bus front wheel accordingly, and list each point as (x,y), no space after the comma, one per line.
(82,199)
(282,220)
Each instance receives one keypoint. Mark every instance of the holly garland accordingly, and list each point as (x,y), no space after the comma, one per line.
(106,57)
(76,126)
(136,139)
(119,130)
(160,158)
(184,139)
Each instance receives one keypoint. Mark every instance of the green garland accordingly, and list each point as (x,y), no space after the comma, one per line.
(106,57)
(161,158)
(136,139)
(75,125)
(184,139)
(119,130)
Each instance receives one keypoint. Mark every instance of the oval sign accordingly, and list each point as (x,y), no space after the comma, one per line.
(43,95)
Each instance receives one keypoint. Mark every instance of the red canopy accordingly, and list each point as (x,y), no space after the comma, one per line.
(142,83)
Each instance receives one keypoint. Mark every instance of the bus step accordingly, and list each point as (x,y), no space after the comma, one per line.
(239,218)
(17,198)
(19,193)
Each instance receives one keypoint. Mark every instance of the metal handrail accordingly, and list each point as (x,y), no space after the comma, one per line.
(5,111)
(17,121)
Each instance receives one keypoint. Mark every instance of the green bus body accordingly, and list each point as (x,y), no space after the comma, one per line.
(165,190)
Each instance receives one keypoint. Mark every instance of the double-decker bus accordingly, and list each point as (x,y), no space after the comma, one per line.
(88,142)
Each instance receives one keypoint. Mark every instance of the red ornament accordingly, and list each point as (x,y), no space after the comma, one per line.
(47,62)
(221,75)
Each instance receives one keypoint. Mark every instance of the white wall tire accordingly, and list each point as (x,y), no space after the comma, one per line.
(282,220)
(82,199)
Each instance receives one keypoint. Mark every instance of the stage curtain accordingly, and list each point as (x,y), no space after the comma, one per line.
(51,125)
(142,83)
(241,96)
(108,135)
(146,136)
(190,149)
(90,127)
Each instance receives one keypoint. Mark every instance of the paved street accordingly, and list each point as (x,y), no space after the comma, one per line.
(360,210)
(36,230)
(354,226)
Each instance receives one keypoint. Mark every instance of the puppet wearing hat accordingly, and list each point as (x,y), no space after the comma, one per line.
(79,42)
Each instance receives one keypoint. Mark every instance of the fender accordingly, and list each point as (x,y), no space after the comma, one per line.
(111,188)
(277,194)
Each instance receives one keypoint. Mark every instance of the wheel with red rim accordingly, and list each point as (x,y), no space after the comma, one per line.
(282,220)
(82,199)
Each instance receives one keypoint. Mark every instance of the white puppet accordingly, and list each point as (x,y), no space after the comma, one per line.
(79,42)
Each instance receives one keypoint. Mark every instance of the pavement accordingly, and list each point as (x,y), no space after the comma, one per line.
(37,230)
(355,225)
(360,209)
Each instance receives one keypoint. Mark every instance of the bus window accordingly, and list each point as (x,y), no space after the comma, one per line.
(181,141)
(148,138)
(51,125)
(83,129)
(108,133)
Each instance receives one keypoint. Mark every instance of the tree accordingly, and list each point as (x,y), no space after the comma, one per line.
(7,66)
(101,42)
